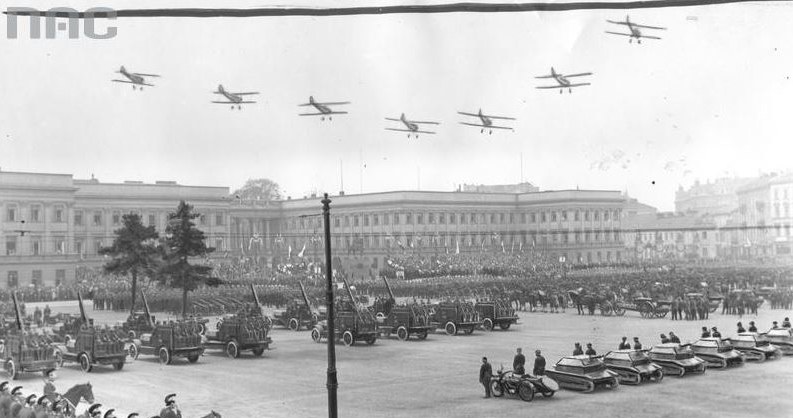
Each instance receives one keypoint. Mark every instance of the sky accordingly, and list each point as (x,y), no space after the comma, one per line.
(710,99)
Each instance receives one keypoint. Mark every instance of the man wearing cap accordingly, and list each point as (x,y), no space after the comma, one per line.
(752,327)
(27,410)
(16,402)
(636,344)
(61,409)
(110,413)
(5,399)
(485,375)
(133,415)
(715,333)
(42,408)
(518,363)
(741,328)
(171,410)
(589,350)
(93,411)
(673,338)
(539,363)
(625,345)
(664,339)
(705,332)
(49,386)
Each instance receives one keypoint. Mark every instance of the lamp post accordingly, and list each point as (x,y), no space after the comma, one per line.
(332,382)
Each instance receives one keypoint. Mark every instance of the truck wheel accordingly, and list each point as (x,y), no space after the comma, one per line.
(11,369)
(192,358)
(422,335)
(133,351)
(232,349)
(258,351)
(315,335)
(348,338)
(451,329)
(504,325)
(85,363)
(294,325)
(119,365)
(402,333)
(488,324)
(164,355)
(371,340)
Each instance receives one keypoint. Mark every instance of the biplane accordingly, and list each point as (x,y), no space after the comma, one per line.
(486,121)
(234,99)
(563,81)
(138,80)
(412,127)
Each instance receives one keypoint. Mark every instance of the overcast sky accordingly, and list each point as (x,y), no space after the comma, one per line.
(712,98)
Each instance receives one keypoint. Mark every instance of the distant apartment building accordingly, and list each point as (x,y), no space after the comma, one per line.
(710,198)
(670,236)
(764,216)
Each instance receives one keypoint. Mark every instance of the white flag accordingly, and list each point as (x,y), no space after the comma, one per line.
(300,254)
(457,251)
(290,251)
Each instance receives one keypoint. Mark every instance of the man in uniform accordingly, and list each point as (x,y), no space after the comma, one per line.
(49,386)
(625,345)
(133,415)
(636,344)
(715,333)
(741,328)
(110,413)
(786,323)
(589,350)
(485,375)
(578,350)
(94,412)
(705,332)
(752,327)
(5,400)
(664,339)
(519,362)
(42,407)
(539,364)
(16,402)
(673,338)
(171,410)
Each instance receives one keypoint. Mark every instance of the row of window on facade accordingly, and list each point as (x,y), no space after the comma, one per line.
(389,241)
(36,215)
(80,246)
(36,278)
(458,218)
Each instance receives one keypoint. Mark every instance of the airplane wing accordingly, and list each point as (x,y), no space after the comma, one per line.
(499,117)
(618,33)
(322,114)
(394,119)
(649,37)
(408,130)
(486,127)
(558,86)
(544,76)
(146,75)
(618,23)
(123,81)
(424,123)
(579,84)
(245,94)
(331,103)
(469,114)
(243,102)
(649,27)
(577,75)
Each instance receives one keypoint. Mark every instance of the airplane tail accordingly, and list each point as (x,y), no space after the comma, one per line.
(122,70)
(402,117)
(311,99)
(220,88)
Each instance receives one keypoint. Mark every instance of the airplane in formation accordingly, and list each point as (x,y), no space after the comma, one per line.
(563,81)
(137,80)
(323,109)
(634,29)
(234,99)
(412,127)
(486,121)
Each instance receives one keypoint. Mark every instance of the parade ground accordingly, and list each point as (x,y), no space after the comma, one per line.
(436,377)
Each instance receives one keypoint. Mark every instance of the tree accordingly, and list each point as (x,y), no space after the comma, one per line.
(134,251)
(264,190)
(183,241)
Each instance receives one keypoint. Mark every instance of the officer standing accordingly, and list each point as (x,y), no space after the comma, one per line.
(519,362)
(539,364)
(485,375)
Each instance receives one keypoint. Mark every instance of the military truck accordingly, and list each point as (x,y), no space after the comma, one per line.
(299,314)
(23,352)
(245,330)
(353,322)
(403,320)
(168,340)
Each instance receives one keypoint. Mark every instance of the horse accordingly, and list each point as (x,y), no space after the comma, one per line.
(78,393)
(212,414)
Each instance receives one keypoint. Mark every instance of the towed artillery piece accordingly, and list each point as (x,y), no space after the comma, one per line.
(298,313)
(524,386)
(166,341)
(676,360)
(245,330)
(353,322)
(584,373)
(454,316)
(496,313)
(755,347)
(23,352)
(91,345)
(647,307)
(717,353)
(633,366)
(403,320)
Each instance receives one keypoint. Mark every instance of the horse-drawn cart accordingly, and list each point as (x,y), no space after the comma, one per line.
(647,307)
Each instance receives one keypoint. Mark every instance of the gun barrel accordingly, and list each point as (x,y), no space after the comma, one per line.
(17,311)
(388,286)
(305,297)
(255,297)
(146,309)
(83,316)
